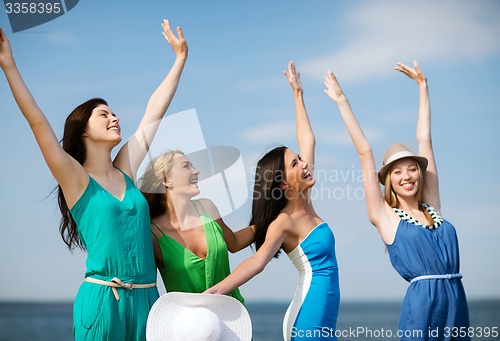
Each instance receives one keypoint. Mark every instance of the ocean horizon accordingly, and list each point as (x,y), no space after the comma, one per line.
(358,320)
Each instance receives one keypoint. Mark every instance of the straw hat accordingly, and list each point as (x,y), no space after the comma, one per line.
(397,152)
(179,316)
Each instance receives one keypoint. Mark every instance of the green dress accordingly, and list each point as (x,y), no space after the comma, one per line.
(117,237)
(183,271)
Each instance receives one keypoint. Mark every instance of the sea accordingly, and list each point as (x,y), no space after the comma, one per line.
(357,321)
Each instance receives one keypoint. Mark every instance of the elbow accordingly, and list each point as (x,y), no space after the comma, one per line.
(365,150)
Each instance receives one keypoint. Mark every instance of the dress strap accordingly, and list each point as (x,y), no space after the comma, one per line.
(159,229)
(447,276)
(196,207)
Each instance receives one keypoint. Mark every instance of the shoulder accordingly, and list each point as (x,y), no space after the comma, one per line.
(209,207)
(282,223)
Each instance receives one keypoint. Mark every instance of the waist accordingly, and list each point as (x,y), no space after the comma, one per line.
(117,283)
(427,277)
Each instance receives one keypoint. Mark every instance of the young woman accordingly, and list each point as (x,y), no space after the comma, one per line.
(191,241)
(285,219)
(422,246)
(102,210)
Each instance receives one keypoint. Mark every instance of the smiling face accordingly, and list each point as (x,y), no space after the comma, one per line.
(183,177)
(103,126)
(297,173)
(405,177)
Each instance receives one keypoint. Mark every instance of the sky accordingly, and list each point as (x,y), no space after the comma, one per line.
(234,83)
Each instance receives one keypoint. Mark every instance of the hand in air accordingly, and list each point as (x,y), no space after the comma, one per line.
(333,89)
(414,73)
(178,44)
(293,77)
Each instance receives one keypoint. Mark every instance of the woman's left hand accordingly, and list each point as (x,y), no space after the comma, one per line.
(178,44)
(293,78)
(414,73)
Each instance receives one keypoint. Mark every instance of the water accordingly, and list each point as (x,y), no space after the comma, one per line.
(53,321)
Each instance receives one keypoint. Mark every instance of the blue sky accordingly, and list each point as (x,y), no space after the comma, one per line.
(234,81)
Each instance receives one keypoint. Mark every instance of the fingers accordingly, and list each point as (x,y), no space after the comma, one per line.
(180,33)
(169,34)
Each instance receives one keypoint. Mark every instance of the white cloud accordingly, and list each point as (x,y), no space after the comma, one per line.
(386,32)
(270,132)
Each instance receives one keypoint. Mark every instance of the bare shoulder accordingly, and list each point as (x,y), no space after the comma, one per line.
(209,207)
(283,223)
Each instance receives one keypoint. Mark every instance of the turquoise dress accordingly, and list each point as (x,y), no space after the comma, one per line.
(433,308)
(117,237)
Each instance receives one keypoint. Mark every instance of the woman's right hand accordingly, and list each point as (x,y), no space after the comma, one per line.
(5,50)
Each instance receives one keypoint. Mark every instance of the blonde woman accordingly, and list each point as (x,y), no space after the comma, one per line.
(423,247)
(191,241)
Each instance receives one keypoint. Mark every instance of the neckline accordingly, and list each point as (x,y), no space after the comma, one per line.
(310,232)
(185,247)
(109,193)
(438,220)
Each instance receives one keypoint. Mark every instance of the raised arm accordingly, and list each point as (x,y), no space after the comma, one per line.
(305,135)
(253,265)
(378,209)
(133,152)
(66,170)
(424,139)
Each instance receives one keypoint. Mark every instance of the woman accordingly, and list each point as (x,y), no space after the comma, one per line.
(103,212)
(191,241)
(422,246)
(285,219)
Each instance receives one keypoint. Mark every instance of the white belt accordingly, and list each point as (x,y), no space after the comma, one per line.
(448,276)
(116,283)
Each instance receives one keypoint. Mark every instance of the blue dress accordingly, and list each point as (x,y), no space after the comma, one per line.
(312,315)
(433,309)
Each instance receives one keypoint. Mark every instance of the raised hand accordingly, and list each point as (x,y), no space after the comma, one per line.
(293,77)
(178,44)
(333,89)
(5,50)
(414,73)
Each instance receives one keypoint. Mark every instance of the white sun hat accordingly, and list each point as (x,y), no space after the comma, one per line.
(180,316)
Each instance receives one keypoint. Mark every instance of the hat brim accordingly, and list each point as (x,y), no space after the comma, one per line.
(233,315)
(422,162)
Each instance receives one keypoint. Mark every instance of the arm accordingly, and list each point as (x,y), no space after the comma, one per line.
(133,152)
(305,135)
(253,265)
(424,139)
(66,170)
(378,209)
(235,241)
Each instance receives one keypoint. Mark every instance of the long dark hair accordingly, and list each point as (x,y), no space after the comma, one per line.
(269,199)
(72,143)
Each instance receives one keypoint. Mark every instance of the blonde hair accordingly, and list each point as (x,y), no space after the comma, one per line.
(152,182)
(392,199)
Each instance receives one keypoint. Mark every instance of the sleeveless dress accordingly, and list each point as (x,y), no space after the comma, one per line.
(117,237)
(435,308)
(183,271)
(312,315)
